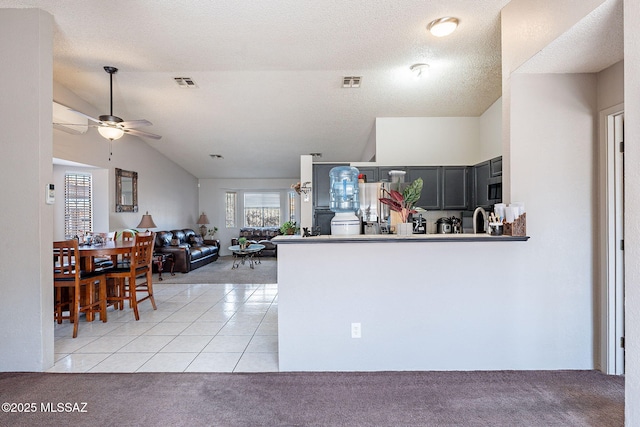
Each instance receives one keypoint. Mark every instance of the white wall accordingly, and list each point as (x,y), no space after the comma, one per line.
(411,141)
(416,141)
(454,306)
(212,202)
(611,86)
(167,191)
(491,132)
(26,282)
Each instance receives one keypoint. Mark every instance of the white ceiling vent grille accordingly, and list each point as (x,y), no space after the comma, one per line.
(351,81)
(185,82)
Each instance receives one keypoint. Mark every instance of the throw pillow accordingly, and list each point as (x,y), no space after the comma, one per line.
(196,240)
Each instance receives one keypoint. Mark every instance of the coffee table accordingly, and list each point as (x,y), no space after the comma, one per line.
(240,255)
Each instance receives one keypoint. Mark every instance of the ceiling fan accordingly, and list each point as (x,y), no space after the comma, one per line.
(113,127)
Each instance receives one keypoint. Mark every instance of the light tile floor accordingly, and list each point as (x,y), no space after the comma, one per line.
(196,328)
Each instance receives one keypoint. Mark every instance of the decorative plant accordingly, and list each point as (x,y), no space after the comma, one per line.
(296,187)
(242,242)
(289,227)
(405,201)
(212,231)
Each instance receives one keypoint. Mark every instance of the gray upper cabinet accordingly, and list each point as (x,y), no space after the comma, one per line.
(370,173)
(431,196)
(495,165)
(481,175)
(455,195)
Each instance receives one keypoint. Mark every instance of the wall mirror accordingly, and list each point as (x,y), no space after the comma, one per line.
(126,191)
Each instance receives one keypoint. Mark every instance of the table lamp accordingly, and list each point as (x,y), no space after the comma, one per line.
(147,222)
(203,221)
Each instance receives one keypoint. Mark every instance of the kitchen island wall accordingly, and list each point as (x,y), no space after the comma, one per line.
(441,305)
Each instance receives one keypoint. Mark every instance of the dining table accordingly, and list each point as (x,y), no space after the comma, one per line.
(112,248)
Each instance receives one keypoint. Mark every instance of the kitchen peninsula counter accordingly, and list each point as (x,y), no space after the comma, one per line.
(389,238)
(420,302)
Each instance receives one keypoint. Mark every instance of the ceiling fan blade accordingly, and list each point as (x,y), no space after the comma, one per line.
(137,132)
(135,123)
(84,115)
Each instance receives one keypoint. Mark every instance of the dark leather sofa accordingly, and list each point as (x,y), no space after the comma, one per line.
(262,236)
(188,249)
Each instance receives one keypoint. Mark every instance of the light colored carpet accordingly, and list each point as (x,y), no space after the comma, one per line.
(220,271)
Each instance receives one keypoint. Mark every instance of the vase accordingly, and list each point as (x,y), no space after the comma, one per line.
(404,229)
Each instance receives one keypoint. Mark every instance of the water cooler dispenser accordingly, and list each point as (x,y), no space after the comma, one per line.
(344,201)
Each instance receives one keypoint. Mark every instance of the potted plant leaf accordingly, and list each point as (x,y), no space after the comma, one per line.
(243,242)
(289,227)
(404,203)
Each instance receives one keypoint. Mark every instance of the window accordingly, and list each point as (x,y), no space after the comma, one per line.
(231,202)
(262,209)
(292,205)
(77,205)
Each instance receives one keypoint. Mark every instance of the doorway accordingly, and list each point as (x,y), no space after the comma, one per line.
(613,244)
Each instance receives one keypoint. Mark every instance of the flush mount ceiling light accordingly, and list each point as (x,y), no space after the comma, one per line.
(443,26)
(419,70)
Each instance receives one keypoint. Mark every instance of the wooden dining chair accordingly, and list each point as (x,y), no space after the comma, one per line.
(74,289)
(127,281)
(125,260)
(103,263)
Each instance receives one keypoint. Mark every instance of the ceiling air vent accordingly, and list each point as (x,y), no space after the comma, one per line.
(351,81)
(185,82)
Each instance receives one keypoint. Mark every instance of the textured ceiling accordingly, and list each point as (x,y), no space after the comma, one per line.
(269,73)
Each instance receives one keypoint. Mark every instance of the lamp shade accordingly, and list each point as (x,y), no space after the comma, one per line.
(111,133)
(147,221)
(203,220)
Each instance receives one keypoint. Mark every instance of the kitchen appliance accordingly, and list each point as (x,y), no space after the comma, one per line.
(372,212)
(456,225)
(443,226)
(344,200)
(419,225)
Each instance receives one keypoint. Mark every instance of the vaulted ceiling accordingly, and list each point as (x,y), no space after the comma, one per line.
(269,74)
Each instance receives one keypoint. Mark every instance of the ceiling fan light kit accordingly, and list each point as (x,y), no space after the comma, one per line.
(113,127)
(110,133)
(443,26)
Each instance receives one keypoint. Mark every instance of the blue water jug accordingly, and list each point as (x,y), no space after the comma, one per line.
(344,189)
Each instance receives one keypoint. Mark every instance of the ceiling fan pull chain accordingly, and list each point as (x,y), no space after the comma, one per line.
(110,149)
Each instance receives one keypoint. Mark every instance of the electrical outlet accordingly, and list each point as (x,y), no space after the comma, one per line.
(356,330)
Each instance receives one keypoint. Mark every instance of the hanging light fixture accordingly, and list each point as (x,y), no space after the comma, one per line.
(443,26)
(110,133)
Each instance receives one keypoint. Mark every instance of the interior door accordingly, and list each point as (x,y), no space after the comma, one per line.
(619,238)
